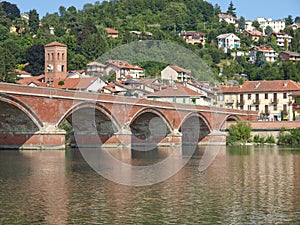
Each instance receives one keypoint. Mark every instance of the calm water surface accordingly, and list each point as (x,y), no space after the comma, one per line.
(243,185)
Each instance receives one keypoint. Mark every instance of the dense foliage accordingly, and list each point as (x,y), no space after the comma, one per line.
(239,132)
(83,31)
(289,136)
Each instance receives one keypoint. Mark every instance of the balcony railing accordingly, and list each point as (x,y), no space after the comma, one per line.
(241,102)
(274,101)
(256,102)
(229,102)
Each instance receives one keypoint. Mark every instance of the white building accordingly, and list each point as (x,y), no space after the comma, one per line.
(276,25)
(228,41)
(282,39)
(268,52)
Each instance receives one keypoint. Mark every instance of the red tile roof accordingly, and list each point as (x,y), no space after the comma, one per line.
(255,33)
(123,64)
(179,69)
(111,31)
(263,48)
(55,43)
(34,79)
(263,86)
(178,91)
(229,89)
(75,83)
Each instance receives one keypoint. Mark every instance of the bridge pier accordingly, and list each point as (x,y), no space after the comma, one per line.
(215,137)
(122,139)
(49,137)
(172,139)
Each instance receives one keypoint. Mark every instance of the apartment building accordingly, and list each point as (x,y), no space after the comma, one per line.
(271,99)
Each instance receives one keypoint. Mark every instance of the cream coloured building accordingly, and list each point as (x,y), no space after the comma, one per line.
(271,99)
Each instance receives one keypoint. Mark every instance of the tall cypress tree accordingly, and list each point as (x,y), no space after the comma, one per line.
(231,9)
(34,21)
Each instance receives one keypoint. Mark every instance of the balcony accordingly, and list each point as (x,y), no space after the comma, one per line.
(255,101)
(241,102)
(274,101)
(229,102)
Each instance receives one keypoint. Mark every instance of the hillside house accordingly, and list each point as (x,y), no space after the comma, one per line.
(267,51)
(174,73)
(193,37)
(228,41)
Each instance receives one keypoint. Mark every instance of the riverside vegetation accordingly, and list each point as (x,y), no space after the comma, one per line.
(240,133)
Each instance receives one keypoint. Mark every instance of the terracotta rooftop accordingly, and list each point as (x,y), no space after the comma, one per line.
(55,43)
(255,33)
(123,64)
(178,91)
(34,79)
(263,86)
(179,69)
(75,83)
(111,31)
(263,48)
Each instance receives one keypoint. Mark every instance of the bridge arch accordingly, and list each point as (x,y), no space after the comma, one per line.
(194,127)
(91,124)
(19,105)
(91,105)
(149,125)
(229,118)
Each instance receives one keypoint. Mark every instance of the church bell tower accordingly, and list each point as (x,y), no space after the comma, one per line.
(55,62)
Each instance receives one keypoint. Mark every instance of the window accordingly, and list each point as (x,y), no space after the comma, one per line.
(275,108)
(174,99)
(285,95)
(257,107)
(267,109)
(249,96)
(58,56)
(266,96)
(183,100)
(249,107)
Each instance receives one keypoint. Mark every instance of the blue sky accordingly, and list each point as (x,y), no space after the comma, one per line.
(250,9)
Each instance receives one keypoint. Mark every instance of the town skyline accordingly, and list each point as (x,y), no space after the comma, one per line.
(251,10)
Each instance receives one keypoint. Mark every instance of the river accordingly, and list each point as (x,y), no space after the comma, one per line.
(242,185)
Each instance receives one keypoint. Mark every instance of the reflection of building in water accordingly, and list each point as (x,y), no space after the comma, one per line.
(48,183)
(257,181)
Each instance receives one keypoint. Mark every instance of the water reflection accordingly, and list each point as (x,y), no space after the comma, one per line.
(243,185)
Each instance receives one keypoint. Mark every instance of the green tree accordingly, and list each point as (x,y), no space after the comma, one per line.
(11,10)
(93,46)
(268,31)
(289,20)
(239,132)
(242,23)
(7,64)
(175,16)
(34,21)
(260,59)
(256,24)
(35,56)
(297,19)
(231,9)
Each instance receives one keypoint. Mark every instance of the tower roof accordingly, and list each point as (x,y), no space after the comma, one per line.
(55,43)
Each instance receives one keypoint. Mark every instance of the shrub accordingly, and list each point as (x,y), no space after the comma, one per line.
(239,132)
(270,139)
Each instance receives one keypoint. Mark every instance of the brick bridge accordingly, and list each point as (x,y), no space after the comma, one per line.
(32,118)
